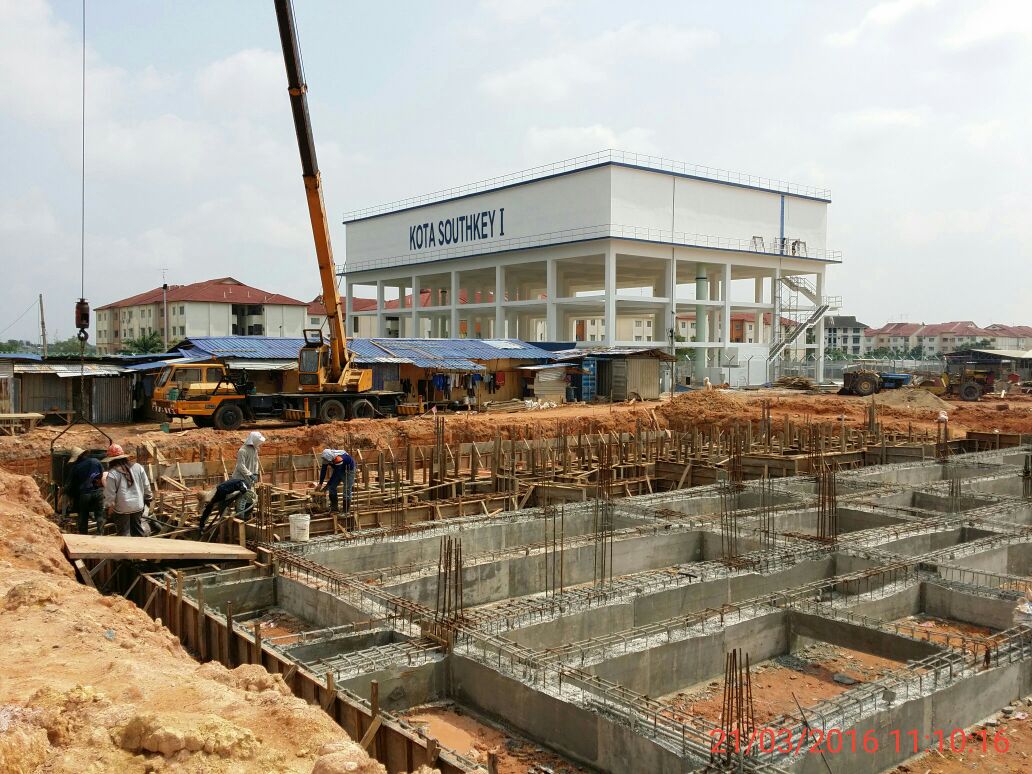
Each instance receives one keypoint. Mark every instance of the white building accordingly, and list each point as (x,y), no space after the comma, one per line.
(845,333)
(614,238)
(218,307)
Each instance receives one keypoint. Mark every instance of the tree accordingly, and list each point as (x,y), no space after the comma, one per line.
(916,353)
(143,344)
(16,345)
(69,346)
(980,344)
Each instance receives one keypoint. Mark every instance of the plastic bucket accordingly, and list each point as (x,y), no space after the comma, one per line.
(299,527)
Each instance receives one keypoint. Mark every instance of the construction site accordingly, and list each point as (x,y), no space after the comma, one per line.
(606,522)
(614,592)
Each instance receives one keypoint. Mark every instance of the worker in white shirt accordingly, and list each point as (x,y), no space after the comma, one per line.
(127,492)
(247,469)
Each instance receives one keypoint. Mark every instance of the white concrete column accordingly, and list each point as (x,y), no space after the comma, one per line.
(453,299)
(725,296)
(758,337)
(413,316)
(818,332)
(499,298)
(609,318)
(349,291)
(702,327)
(551,285)
(381,323)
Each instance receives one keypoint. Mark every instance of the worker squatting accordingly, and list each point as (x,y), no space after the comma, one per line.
(455,231)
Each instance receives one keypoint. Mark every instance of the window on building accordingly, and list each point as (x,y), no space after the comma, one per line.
(182,309)
(313,320)
(648,323)
(637,323)
(182,330)
(591,337)
(637,338)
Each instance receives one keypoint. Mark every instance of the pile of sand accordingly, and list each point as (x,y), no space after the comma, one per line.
(912,398)
(702,407)
(91,683)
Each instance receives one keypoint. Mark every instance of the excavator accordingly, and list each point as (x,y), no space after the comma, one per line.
(331,386)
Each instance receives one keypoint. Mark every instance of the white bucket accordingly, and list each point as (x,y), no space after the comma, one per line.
(299,527)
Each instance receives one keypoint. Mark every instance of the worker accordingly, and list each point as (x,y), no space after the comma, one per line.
(84,488)
(220,497)
(247,468)
(341,467)
(127,492)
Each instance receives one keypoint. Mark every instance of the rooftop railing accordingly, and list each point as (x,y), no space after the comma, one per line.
(609,156)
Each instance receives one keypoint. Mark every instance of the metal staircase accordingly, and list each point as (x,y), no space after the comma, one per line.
(796,299)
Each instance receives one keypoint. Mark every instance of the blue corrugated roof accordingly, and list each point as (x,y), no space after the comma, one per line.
(20,356)
(258,347)
(445,354)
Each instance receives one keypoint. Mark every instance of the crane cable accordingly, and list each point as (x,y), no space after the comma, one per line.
(82,230)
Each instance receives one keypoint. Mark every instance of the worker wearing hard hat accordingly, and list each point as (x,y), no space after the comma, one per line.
(341,467)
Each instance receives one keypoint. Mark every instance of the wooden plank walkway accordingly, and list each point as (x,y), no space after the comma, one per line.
(117,547)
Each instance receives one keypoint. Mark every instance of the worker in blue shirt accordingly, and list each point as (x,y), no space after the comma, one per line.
(341,467)
(84,488)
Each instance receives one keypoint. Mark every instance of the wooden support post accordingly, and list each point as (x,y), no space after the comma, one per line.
(331,692)
(256,657)
(201,639)
(374,697)
(179,605)
(229,635)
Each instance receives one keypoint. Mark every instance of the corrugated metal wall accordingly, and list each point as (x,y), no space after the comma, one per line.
(111,400)
(6,388)
(550,384)
(642,377)
(44,393)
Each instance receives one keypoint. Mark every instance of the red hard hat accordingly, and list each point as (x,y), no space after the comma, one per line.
(114,450)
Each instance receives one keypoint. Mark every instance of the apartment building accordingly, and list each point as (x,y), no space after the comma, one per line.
(939,338)
(845,334)
(216,307)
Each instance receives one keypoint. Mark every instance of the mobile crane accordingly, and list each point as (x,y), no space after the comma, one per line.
(330,385)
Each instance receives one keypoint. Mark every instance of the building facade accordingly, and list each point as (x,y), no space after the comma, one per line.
(935,339)
(613,238)
(218,307)
(845,334)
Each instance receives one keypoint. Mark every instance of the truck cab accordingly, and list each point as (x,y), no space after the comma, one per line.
(195,390)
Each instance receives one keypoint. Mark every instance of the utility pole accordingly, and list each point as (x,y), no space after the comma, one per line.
(42,326)
(164,308)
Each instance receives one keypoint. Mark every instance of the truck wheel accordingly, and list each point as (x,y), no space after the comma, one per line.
(865,385)
(229,417)
(332,411)
(970,391)
(362,409)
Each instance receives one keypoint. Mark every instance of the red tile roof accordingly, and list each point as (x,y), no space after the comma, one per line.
(224,290)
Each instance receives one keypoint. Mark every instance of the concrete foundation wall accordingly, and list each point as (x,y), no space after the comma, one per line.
(361,557)
(318,607)
(958,706)
(968,608)
(677,665)
(247,596)
(403,688)
(569,729)
(806,628)
(493,581)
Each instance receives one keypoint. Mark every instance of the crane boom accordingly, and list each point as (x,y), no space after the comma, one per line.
(340,356)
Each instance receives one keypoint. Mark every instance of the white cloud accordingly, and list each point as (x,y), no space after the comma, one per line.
(555,76)
(876,119)
(984,134)
(251,82)
(543,145)
(988,21)
(885,14)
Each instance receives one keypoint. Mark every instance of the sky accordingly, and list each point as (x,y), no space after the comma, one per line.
(915,113)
